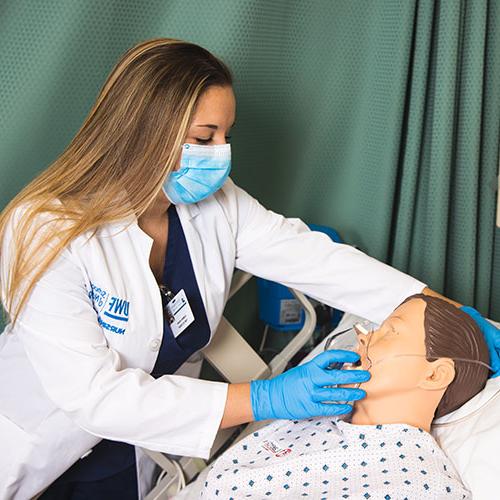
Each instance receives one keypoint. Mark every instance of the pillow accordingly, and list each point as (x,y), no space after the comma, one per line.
(470,436)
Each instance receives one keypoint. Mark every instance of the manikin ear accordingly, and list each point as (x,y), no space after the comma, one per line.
(439,375)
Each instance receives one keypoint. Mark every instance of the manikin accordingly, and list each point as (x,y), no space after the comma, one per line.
(426,359)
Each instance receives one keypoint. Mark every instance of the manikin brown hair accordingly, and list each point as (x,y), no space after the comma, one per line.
(452,333)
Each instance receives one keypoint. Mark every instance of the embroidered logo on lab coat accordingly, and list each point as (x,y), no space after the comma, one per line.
(112,311)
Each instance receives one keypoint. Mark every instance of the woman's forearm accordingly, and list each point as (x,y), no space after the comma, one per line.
(238,408)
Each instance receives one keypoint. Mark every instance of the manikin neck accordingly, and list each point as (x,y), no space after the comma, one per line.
(415,408)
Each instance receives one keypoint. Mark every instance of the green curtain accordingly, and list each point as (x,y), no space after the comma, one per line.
(378,118)
(443,222)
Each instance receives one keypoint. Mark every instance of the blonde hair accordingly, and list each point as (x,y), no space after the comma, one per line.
(117,162)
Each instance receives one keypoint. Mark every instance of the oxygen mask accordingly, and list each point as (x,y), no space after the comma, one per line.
(354,339)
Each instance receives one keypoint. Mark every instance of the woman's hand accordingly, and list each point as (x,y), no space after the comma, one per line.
(491,335)
(304,391)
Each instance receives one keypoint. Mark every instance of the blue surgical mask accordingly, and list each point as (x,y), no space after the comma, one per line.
(203,171)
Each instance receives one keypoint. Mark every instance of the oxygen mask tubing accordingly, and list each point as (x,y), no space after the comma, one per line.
(359,338)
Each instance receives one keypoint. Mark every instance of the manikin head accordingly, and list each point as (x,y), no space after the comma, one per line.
(415,389)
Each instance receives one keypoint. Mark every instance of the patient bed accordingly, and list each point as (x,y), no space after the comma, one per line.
(470,436)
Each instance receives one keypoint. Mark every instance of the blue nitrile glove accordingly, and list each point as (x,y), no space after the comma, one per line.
(491,335)
(299,392)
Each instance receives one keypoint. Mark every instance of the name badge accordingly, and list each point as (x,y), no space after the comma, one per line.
(179,313)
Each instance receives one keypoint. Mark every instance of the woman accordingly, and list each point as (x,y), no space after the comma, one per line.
(134,219)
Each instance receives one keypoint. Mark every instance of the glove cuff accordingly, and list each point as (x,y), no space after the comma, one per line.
(259,398)
(488,337)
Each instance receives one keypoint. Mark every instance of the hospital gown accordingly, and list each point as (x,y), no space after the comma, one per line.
(323,458)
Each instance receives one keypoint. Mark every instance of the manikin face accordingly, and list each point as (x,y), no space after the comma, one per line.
(401,333)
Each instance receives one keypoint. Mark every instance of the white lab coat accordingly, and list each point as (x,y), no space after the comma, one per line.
(71,375)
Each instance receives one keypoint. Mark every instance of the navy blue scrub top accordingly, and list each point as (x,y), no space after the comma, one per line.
(110,457)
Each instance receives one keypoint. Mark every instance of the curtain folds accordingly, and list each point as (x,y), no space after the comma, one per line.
(443,224)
